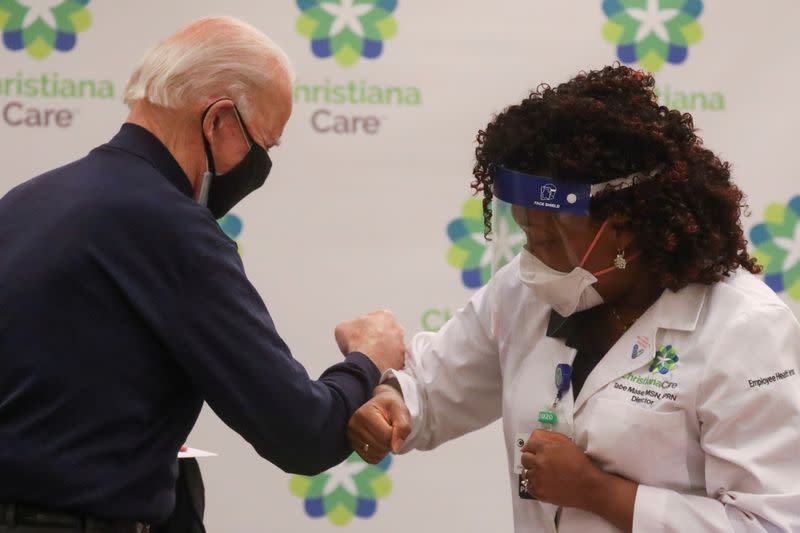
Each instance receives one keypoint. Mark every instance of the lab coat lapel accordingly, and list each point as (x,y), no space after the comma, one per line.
(637,347)
(639,340)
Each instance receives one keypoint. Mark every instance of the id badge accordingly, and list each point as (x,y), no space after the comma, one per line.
(519,441)
(522,490)
(563,424)
(555,417)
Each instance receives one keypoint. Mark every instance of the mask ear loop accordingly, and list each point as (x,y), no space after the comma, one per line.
(209,156)
(592,246)
(571,254)
(613,268)
(594,243)
(208,175)
(243,128)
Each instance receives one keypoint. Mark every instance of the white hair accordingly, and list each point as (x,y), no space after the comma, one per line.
(210,58)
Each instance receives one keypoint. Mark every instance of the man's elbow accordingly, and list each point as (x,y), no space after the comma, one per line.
(305,460)
(310,469)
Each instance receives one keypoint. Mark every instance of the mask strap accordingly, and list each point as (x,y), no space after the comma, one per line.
(613,268)
(206,145)
(594,243)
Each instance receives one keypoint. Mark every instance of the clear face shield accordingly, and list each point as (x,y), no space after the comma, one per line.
(531,213)
(541,217)
(535,210)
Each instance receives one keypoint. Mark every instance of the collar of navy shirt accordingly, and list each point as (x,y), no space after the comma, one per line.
(139,142)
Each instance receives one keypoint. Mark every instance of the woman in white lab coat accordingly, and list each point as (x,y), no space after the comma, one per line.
(647,380)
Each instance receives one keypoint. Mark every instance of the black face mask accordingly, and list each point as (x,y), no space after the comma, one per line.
(220,192)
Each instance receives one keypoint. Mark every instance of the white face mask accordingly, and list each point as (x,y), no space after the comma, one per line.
(565,292)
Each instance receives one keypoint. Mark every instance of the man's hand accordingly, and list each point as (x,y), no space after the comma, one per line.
(381,425)
(376,335)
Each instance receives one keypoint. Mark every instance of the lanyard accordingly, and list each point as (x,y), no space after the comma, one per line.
(548,417)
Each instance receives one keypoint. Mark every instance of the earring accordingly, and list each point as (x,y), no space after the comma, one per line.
(619,262)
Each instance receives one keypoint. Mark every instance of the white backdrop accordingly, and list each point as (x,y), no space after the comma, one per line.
(350,222)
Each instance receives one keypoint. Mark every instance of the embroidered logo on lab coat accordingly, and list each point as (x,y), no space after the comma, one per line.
(666,360)
(641,345)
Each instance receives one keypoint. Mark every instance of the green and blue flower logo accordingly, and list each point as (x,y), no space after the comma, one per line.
(666,359)
(470,253)
(347,30)
(350,489)
(653,32)
(41,26)
(777,247)
(232,226)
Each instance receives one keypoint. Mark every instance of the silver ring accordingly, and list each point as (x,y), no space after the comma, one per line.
(366,447)
(525,484)
(525,473)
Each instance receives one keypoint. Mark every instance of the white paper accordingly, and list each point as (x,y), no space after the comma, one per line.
(194,452)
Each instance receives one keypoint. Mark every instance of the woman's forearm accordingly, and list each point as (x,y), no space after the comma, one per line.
(613,498)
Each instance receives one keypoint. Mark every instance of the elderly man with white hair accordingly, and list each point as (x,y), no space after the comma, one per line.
(125,307)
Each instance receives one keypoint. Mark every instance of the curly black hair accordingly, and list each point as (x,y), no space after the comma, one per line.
(607,124)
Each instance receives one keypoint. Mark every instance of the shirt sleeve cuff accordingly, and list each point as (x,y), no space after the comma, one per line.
(354,379)
(650,509)
(365,363)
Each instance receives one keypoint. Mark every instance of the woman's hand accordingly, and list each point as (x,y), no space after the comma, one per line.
(558,472)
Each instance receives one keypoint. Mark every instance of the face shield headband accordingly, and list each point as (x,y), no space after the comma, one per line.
(555,195)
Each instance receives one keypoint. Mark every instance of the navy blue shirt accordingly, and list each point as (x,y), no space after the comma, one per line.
(124,306)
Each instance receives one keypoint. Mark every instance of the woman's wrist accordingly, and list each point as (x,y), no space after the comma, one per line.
(597,484)
(611,497)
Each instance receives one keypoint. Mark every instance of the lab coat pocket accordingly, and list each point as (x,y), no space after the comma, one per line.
(644,445)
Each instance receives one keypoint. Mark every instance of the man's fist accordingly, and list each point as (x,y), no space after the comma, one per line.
(376,335)
(381,425)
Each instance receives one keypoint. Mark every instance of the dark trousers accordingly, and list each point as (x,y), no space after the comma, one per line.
(31,528)
(186,518)
(28,529)
(190,501)
(23,528)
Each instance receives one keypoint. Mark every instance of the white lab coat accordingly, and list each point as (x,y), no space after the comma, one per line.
(712,448)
